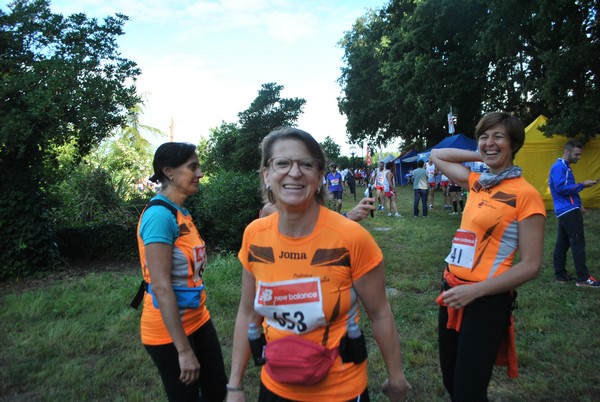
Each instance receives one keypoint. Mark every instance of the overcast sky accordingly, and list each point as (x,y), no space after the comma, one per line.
(203,61)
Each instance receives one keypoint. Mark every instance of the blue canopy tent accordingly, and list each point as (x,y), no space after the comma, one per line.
(459,141)
(388,159)
(404,164)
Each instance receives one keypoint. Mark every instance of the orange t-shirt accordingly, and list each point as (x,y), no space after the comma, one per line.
(188,262)
(302,284)
(487,241)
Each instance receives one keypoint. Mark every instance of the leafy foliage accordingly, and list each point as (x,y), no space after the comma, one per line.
(229,197)
(221,142)
(407,63)
(234,146)
(364,102)
(331,149)
(225,204)
(88,194)
(126,155)
(106,241)
(99,198)
(63,83)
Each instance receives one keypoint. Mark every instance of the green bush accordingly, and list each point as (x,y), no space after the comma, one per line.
(92,223)
(26,236)
(224,205)
(98,241)
(87,195)
(91,219)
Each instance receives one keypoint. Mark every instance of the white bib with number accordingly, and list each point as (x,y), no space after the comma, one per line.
(462,252)
(295,305)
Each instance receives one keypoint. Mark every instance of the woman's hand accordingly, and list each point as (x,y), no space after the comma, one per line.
(189,366)
(371,291)
(459,296)
(361,210)
(396,391)
(450,162)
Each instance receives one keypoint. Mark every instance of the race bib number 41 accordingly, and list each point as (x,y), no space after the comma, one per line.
(295,305)
(462,252)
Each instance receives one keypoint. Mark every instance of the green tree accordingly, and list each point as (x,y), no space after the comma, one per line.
(543,59)
(567,57)
(267,112)
(103,183)
(425,63)
(235,146)
(63,82)
(408,62)
(221,142)
(203,153)
(127,155)
(331,149)
(364,101)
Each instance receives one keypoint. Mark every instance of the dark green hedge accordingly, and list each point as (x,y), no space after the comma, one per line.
(224,205)
(98,241)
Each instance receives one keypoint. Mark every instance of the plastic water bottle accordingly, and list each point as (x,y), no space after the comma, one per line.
(353,330)
(257,344)
(356,343)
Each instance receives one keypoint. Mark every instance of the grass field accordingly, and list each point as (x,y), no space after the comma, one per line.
(72,336)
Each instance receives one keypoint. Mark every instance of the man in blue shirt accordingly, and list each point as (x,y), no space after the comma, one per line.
(335,185)
(569,212)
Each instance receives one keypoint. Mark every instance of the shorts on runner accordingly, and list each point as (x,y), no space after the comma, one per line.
(337,195)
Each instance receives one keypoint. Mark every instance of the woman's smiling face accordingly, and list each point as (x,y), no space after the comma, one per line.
(293,174)
(495,148)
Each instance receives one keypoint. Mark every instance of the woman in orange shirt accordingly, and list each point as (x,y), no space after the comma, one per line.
(176,328)
(504,214)
(305,269)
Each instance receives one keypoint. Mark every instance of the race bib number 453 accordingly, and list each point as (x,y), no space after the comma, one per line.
(295,305)
(462,252)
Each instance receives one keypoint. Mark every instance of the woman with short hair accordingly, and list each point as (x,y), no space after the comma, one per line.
(504,214)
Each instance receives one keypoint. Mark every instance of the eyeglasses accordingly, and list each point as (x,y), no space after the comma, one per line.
(284,165)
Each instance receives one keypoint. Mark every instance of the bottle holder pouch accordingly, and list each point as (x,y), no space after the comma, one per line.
(353,350)
(257,349)
(186,297)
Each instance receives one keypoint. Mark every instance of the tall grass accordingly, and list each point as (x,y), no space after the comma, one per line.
(75,338)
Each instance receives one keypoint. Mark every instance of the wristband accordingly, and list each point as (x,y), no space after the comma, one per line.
(234,389)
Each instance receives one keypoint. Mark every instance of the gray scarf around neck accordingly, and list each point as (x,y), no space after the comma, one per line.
(489,180)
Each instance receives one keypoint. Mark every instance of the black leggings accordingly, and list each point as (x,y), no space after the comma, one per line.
(212,381)
(467,357)
(265,395)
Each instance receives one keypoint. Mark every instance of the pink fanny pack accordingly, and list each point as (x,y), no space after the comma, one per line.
(295,360)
